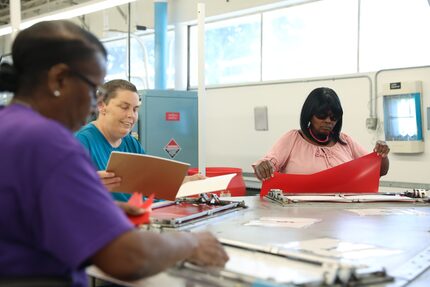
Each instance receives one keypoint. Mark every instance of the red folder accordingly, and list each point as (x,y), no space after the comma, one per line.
(357,176)
(136,200)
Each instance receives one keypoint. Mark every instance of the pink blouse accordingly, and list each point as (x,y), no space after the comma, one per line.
(294,155)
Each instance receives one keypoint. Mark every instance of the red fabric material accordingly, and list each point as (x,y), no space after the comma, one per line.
(356,176)
(136,200)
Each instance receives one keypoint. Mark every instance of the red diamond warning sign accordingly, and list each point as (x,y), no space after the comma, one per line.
(172,148)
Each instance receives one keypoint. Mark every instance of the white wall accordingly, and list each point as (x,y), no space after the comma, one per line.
(233,141)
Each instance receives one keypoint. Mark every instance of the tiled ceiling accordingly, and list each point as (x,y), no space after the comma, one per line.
(31,8)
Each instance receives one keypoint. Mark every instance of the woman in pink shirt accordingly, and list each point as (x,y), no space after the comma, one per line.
(319,144)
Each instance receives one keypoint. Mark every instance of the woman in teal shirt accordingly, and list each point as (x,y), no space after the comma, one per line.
(118,106)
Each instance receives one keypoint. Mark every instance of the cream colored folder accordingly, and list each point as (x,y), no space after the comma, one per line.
(150,174)
(147,174)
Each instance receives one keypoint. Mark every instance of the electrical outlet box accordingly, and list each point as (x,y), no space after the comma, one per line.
(261,119)
(371,123)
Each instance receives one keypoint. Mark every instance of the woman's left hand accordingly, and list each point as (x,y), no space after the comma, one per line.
(197,176)
(381,148)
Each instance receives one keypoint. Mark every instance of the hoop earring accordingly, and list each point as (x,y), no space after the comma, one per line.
(57,93)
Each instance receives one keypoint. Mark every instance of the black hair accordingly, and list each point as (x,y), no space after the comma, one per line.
(321,101)
(43,45)
(110,88)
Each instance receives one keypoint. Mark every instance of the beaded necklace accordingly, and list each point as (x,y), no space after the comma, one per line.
(317,139)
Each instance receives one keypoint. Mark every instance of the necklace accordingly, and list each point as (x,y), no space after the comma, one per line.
(317,139)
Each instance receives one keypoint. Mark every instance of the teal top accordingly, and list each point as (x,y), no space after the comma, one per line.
(100,149)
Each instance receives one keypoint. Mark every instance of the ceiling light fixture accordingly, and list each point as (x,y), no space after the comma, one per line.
(67,13)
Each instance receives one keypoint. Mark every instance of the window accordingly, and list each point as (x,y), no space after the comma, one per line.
(315,39)
(142,60)
(394,34)
(117,59)
(402,117)
(232,51)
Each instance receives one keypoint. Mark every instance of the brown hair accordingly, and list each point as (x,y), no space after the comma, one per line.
(110,88)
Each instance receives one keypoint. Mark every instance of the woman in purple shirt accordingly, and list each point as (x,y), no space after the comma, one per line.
(56,217)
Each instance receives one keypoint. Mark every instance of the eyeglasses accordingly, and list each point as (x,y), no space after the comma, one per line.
(323,116)
(98,91)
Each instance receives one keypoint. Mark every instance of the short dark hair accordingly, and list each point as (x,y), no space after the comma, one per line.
(110,88)
(319,101)
(43,45)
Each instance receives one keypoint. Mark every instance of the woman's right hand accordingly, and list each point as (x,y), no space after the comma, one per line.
(109,180)
(131,209)
(264,170)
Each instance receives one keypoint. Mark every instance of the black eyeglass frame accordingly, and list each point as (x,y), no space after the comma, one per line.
(323,116)
(98,91)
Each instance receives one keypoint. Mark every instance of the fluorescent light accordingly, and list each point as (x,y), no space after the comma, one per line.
(67,13)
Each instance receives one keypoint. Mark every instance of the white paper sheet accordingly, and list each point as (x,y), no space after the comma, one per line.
(348,198)
(316,198)
(267,266)
(209,184)
(335,248)
(291,222)
(387,211)
(378,197)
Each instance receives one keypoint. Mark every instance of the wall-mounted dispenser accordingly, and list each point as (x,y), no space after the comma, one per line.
(402,117)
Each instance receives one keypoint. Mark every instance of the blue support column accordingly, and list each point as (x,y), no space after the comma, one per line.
(160,19)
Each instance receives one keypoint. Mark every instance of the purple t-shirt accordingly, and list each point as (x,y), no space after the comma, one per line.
(54,211)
